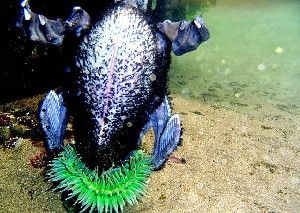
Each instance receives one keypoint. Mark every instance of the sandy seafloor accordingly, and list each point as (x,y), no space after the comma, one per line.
(234,163)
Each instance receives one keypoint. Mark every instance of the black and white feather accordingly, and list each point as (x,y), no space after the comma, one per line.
(53,117)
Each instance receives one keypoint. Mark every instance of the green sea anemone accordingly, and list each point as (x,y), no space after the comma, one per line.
(106,192)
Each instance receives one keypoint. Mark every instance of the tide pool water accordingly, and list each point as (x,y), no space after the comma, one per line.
(251,63)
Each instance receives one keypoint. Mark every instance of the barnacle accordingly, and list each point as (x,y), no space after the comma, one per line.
(106,192)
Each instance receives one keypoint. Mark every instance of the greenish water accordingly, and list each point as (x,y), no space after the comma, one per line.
(250,64)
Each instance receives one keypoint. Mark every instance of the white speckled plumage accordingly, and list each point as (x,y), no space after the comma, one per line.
(115,63)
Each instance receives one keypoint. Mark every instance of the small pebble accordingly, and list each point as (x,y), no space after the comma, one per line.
(199,185)
(278,50)
(261,67)
(175,159)
(237,95)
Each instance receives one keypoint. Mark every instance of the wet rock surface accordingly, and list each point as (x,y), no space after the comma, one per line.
(16,124)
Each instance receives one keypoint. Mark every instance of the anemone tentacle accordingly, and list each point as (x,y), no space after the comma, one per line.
(106,192)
